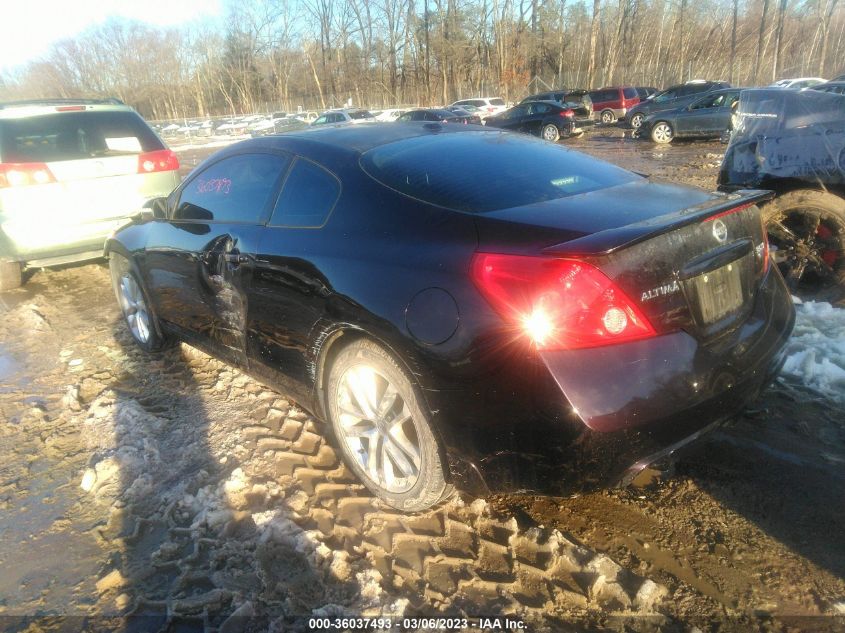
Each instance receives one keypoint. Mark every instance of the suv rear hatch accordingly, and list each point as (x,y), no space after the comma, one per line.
(70,174)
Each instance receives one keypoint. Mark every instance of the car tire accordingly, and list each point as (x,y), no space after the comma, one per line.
(550,132)
(662,132)
(607,117)
(806,230)
(637,120)
(382,430)
(134,304)
(11,276)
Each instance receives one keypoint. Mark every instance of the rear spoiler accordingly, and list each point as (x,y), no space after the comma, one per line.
(610,240)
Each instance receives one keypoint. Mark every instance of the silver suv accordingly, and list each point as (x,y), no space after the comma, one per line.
(72,171)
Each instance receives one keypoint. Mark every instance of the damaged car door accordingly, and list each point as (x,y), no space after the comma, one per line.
(289,293)
(199,263)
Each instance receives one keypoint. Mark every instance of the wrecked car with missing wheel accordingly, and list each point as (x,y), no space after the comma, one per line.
(793,143)
(461,322)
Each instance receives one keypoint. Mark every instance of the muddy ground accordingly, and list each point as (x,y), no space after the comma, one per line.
(174,489)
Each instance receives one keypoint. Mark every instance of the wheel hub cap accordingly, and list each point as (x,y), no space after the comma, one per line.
(378,428)
(134,308)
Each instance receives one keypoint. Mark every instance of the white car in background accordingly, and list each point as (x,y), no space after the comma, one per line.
(798,84)
(488,106)
(389,116)
(345,115)
(306,117)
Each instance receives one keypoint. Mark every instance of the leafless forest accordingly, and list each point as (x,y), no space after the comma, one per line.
(280,54)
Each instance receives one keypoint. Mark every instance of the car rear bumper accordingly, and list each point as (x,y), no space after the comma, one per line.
(56,245)
(610,411)
(581,125)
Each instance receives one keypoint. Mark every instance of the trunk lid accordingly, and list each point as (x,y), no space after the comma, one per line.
(689,259)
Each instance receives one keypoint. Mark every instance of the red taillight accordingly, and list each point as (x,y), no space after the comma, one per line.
(161,160)
(558,303)
(22,174)
(567,113)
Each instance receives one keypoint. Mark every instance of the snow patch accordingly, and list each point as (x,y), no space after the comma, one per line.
(816,350)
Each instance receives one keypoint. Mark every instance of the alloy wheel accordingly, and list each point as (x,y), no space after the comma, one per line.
(551,133)
(808,246)
(607,116)
(378,428)
(636,121)
(134,308)
(662,133)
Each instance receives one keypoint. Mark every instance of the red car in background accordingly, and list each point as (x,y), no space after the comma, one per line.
(613,103)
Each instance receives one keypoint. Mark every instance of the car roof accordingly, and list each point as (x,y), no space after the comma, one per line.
(33,107)
(350,139)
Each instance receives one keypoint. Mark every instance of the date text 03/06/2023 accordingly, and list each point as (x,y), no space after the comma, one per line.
(415,624)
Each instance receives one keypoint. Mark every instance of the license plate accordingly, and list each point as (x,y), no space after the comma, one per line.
(718,292)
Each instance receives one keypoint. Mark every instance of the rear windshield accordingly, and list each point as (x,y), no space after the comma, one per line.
(478,172)
(360,114)
(74,135)
(497,102)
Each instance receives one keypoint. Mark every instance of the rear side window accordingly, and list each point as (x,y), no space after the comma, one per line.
(630,93)
(308,196)
(235,189)
(360,114)
(444,170)
(601,96)
(74,136)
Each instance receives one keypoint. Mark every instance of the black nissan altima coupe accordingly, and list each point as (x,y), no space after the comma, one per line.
(464,307)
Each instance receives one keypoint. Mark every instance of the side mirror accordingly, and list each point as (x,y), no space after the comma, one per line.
(153,209)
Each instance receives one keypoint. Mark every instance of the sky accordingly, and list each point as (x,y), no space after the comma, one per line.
(27,29)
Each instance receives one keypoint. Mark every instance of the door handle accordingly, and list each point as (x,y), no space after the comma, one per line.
(236,258)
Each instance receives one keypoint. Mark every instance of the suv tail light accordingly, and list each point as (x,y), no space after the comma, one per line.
(160,160)
(22,174)
(558,303)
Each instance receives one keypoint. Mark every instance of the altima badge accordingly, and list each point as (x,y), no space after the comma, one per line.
(660,291)
(720,231)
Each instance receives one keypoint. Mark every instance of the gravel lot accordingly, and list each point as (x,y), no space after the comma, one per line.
(176,488)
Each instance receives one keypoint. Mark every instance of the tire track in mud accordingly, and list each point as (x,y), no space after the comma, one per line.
(206,494)
(209,494)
